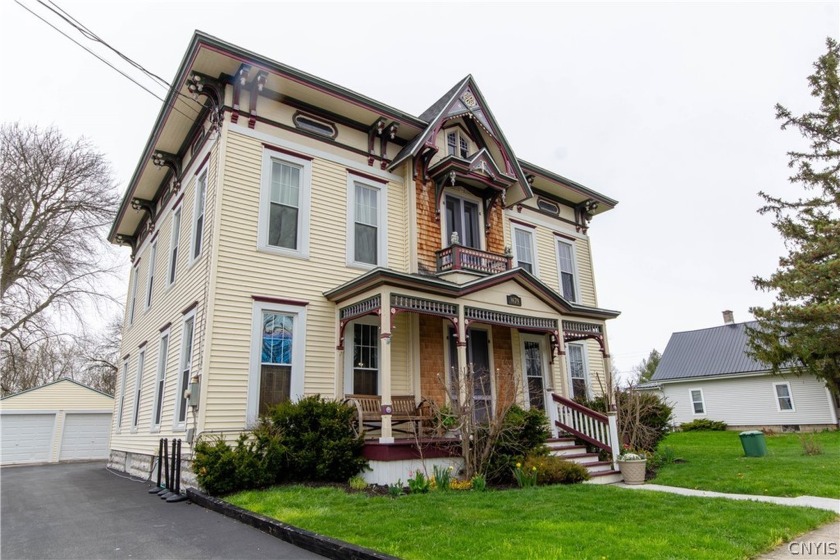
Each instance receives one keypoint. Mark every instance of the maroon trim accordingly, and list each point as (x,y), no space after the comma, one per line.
(126,357)
(190,307)
(408,449)
(154,236)
(200,167)
(385,335)
(569,237)
(137,261)
(366,176)
(142,344)
(282,301)
(521,223)
(287,152)
(178,201)
(166,326)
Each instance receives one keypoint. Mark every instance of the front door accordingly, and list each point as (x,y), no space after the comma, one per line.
(478,357)
(534,367)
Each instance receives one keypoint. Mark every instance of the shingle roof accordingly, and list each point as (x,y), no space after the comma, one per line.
(708,352)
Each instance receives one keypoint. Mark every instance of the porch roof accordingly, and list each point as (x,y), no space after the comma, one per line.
(379,277)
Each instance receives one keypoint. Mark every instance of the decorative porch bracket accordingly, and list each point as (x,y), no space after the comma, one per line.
(369,306)
(410,304)
(576,330)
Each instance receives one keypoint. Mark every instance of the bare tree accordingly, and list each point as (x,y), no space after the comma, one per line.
(57,197)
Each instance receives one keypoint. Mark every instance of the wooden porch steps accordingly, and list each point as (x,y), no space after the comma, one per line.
(601,472)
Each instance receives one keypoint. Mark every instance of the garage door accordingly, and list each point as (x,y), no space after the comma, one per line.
(26,438)
(85,436)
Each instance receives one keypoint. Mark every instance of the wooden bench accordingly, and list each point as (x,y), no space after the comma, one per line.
(405,410)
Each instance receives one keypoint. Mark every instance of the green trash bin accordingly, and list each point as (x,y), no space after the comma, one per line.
(753,443)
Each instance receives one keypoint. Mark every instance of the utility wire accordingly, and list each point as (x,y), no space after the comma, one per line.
(144,88)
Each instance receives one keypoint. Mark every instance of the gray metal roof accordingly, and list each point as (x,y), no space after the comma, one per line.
(708,352)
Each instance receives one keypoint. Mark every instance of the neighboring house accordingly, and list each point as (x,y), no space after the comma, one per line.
(707,373)
(60,421)
(291,237)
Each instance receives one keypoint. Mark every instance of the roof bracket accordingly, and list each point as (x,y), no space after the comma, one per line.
(148,206)
(376,129)
(129,240)
(201,85)
(583,214)
(255,88)
(173,162)
(389,133)
(239,81)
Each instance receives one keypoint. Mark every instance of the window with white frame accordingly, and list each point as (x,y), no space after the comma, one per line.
(523,248)
(577,371)
(150,282)
(173,246)
(462,218)
(138,386)
(132,302)
(160,381)
(284,204)
(185,372)
(198,215)
(566,268)
(367,238)
(784,398)
(365,359)
(457,145)
(123,380)
(277,356)
(698,406)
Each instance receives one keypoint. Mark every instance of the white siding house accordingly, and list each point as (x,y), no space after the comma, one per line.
(707,374)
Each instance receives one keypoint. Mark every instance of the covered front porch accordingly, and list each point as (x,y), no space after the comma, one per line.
(403,341)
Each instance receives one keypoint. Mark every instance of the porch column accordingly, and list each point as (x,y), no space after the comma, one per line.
(462,365)
(386,434)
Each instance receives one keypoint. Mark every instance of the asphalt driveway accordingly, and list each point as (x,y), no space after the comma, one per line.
(81,510)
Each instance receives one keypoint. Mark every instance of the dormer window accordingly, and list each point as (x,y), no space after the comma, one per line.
(457,145)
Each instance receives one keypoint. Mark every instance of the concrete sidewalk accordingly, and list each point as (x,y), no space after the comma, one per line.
(821,543)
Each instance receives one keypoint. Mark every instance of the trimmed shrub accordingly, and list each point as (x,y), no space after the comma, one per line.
(222,469)
(703,424)
(524,432)
(555,470)
(319,438)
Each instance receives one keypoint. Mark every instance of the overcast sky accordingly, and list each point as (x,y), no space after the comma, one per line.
(666,107)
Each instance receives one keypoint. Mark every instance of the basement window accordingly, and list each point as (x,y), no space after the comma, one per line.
(322,128)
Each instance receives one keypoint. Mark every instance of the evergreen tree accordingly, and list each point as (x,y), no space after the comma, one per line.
(647,367)
(801,329)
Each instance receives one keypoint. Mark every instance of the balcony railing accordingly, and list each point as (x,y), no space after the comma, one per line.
(458,257)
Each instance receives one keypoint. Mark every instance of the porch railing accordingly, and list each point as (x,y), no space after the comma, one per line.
(592,427)
(458,257)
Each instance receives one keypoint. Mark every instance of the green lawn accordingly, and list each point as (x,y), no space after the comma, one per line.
(580,521)
(715,461)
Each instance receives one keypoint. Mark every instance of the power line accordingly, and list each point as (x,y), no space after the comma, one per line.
(141,86)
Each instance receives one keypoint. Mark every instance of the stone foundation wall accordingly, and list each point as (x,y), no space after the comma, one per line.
(144,466)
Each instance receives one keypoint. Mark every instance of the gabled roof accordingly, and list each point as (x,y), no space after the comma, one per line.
(716,351)
(62,380)
(464,99)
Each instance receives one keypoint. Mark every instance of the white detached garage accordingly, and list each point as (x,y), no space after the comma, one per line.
(60,421)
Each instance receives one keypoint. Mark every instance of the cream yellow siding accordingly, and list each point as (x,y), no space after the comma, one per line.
(168,302)
(244,271)
(61,395)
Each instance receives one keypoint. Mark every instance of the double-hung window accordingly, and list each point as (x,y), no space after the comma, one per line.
(577,371)
(784,398)
(163,352)
(138,386)
(277,353)
(523,248)
(198,216)
(462,218)
(121,404)
(187,335)
(566,268)
(698,406)
(132,303)
(173,246)
(366,236)
(151,277)
(284,204)
(457,145)
(365,359)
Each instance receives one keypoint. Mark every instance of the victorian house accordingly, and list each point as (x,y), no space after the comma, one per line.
(291,237)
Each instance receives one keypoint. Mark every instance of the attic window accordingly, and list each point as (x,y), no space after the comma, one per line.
(319,127)
(457,145)
(548,206)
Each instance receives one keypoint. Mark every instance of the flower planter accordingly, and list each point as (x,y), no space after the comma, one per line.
(633,470)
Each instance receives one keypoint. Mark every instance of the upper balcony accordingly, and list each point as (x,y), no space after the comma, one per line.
(457,257)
